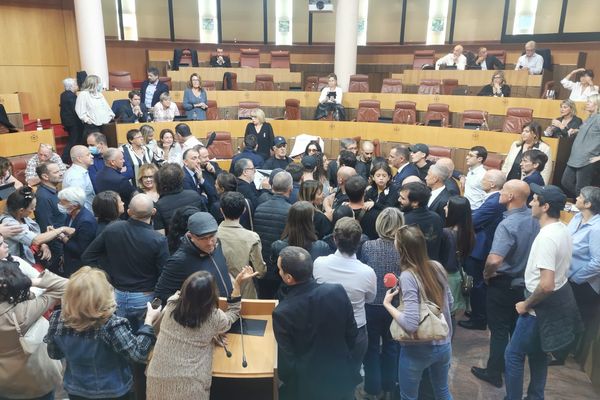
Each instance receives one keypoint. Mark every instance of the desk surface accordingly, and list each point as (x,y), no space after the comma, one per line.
(244,75)
(470,77)
(11,103)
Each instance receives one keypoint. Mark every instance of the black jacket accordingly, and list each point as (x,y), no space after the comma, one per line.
(160,89)
(318,249)
(273,163)
(110,179)
(226,62)
(437,206)
(132,252)
(431,225)
(168,203)
(187,260)
(269,220)
(487,90)
(68,116)
(316,332)
(249,191)
(126,114)
(85,231)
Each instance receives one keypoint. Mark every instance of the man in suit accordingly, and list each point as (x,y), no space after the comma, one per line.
(193,177)
(315,330)
(135,111)
(485,220)
(436,176)
(97,145)
(399,158)
(152,88)
(69,119)
(486,61)
(210,171)
(220,60)
(111,178)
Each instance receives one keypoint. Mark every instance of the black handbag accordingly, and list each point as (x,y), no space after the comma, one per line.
(466,281)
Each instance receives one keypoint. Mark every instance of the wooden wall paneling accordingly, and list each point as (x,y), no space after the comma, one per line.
(128,59)
(71,41)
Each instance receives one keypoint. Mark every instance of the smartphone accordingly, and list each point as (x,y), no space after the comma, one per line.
(156,303)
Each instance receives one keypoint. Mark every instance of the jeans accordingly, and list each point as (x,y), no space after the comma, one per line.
(49,396)
(359,350)
(382,352)
(414,359)
(477,296)
(574,179)
(502,318)
(132,305)
(525,342)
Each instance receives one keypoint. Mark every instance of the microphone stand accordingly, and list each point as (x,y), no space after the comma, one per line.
(244,362)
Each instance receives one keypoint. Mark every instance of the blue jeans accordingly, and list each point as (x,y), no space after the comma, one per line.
(132,305)
(382,352)
(49,396)
(525,341)
(414,359)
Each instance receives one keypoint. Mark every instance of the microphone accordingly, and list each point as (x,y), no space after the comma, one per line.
(211,139)
(227,352)
(390,280)
(244,362)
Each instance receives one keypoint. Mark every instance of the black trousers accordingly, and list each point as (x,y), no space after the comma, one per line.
(477,296)
(574,179)
(501,318)
(588,303)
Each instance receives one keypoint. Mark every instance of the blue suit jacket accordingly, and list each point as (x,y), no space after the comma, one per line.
(85,231)
(111,179)
(407,171)
(485,220)
(160,89)
(190,184)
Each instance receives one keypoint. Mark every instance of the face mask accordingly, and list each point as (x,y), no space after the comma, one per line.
(94,150)
(62,209)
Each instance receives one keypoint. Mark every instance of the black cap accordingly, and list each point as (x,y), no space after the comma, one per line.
(423,148)
(309,162)
(202,223)
(278,141)
(273,173)
(552,194)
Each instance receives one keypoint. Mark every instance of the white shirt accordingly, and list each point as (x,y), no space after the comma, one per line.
(483,65)
(473,190)
(578,93)
(449,59)
(535,63)
(78,176)
(93,109)
(327,89)
(434,194)
(552,249)
(358,280)
(150,89)
(162,114)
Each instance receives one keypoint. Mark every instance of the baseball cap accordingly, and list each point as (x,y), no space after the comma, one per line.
(309,162)
(202,223)
(423,148)
(279,141)
(552,194)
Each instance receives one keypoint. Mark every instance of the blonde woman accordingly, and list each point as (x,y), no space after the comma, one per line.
(531,138)
(567,124)
(145,182)
(263,131)
(97,344)
(148,134)
(165,110)
(497,88)
(91,106)
(195,99)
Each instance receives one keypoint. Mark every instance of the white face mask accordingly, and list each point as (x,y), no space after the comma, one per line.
(62,209)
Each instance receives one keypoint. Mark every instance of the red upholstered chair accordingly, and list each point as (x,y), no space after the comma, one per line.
(500,55)
(245,109)
(437,152)
(212,112)
(493,161)
(280,59)
(19,165)
(311,83)
(167,81)
(437,112)
(368,111)
(448,86)
(516,119)
(292,109)
(209,85)
(430,86)
(550,90)
(359,83)
(423,57)
(120,80)
(323,81)
(234,85)
(391,86)
(478,117)
(221,146)
(405,112)
(264,82)
(249,58)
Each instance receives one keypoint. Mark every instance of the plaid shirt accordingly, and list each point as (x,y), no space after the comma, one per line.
(116,333)
(35,161)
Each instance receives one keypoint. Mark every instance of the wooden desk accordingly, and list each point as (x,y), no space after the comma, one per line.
(244,75)
(19,143)
(544,109)
(469,78)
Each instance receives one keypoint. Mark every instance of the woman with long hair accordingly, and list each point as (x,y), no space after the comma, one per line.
(98,346)
(91,106)
(381,359)
(167,149)
(195,99)
(531,138)
(567,124)
(6,173)
(181,365)
(312,191)
(330,100)
(420,274)
(107,207)
(458,241)
(380,193)
(145,182)
(299,231)
(148,134)
(178,226)
(496,88)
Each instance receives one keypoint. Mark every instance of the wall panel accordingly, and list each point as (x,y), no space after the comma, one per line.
(300,26)
(582,16)
(242,20)
(417,16)
(187,21)
(384,21)
(478,20)
(547,16)
(152,19)
(324,26)
(109,16)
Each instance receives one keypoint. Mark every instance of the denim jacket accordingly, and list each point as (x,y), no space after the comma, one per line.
(98,359)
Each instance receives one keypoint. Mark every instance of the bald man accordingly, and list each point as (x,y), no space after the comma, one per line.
(111,178)
(336,199)
(451,183)
(364,159)
(504,271)
(77,175)
(133,254)
(456,58)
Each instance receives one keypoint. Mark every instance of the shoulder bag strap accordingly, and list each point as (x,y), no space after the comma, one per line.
(16,323)
(250,215)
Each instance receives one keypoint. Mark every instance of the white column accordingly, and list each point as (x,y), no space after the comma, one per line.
(90,33)
(346,25)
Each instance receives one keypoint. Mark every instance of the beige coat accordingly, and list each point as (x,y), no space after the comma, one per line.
(514,150)
(241,247)
(181,365)
(25,376)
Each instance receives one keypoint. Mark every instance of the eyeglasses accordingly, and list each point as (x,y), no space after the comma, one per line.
(138,137)
(148,177)
(250,169)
